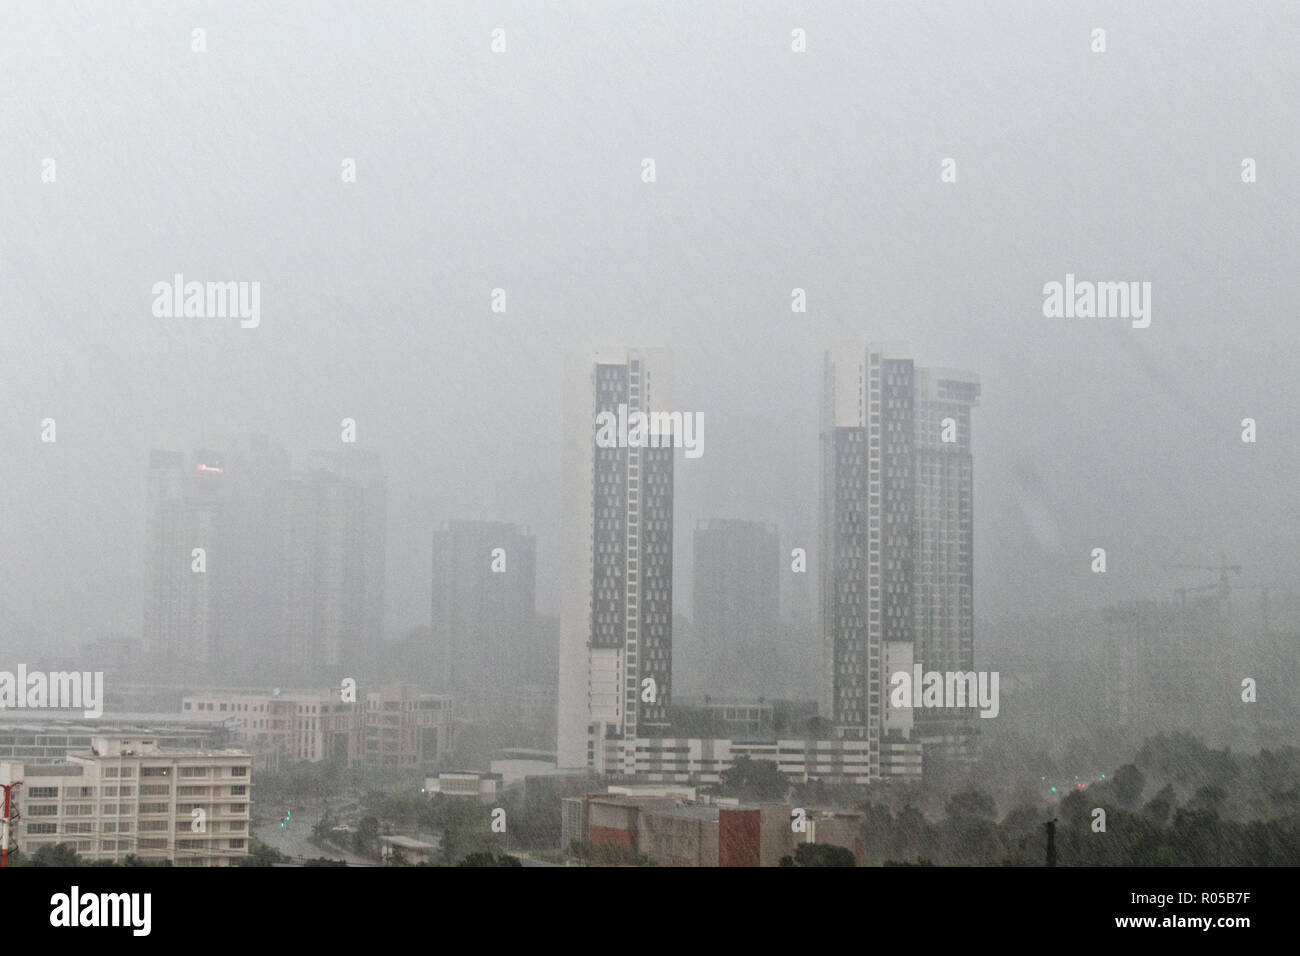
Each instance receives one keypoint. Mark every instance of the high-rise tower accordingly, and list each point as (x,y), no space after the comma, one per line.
(616,606)
(897,539)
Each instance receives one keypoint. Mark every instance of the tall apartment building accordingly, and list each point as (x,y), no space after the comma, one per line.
(737,575)
(616,605)
(897,540)
(943,588)
(248,578)
(293,578)
(184,512)
(324,606)
(129,796)
(483,619)
(364,469)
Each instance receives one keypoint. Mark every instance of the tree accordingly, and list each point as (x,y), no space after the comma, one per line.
(1160,806)
(61,854)
(823,854)
(971,803)
(465,828)
(1128,783)
(754,780)
(366,836)
(259,855)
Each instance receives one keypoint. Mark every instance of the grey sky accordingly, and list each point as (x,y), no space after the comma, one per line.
(775,170)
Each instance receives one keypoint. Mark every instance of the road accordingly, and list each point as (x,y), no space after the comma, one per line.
(293,840)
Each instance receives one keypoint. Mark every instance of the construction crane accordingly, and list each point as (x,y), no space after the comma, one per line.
(1223,568)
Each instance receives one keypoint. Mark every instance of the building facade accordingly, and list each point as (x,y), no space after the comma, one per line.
(616,602)
(484,610)
(897,540)
(737,622)
(128,796)
(253,570)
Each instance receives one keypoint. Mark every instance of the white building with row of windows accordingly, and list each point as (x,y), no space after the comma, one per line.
(127,795)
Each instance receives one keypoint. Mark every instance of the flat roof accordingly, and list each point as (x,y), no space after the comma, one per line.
(409,843)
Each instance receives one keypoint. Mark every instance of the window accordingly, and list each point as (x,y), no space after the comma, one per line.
(42,828)
(109,772)
(37,793)
(154,771)
(239,771)
(152,826)
(153,808)
(237,791)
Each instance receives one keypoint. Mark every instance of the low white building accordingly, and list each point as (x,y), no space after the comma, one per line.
(127,795)
(464,783)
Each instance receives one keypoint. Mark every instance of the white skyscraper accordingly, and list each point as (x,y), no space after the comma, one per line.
(897,542)
(616,602)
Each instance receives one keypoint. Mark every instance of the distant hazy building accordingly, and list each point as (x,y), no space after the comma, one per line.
(616,599)
(128,796)
(1168,667)
(364,469)
(324,588)
(484,609)
(249,579)
(290,581)
(391,727)
(737,573)
(40,737)
(404,729)
(897,538)
(183,513)
(942,584)
(285,727)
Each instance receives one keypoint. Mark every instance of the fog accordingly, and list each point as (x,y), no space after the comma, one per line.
(522,171)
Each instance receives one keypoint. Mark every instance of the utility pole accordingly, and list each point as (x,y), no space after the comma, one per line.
(4,842)
(1051,841)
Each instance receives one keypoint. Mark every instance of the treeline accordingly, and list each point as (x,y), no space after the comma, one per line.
(1178,804)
